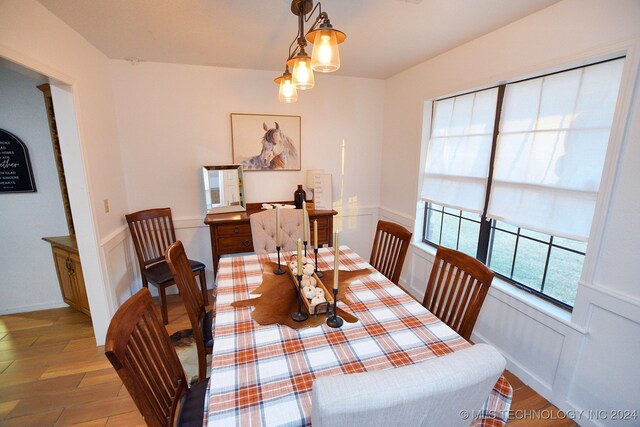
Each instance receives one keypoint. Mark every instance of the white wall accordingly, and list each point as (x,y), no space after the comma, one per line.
(588,361)
(27,217)
(173,119)
(33,37)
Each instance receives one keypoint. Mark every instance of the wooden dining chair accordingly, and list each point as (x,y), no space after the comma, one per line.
(263,230)
(457,287)
(139,348)
(390,249)
(200,318)
(152,233)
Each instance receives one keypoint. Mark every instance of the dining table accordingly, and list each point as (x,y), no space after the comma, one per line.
(262,375)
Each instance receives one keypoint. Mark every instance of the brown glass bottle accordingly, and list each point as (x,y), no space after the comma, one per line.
(299,196)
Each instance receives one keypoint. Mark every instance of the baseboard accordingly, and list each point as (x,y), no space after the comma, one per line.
(33,307)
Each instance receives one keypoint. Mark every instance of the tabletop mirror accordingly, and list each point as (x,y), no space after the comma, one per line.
(223,188)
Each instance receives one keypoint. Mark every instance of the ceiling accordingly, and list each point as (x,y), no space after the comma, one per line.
(384,37)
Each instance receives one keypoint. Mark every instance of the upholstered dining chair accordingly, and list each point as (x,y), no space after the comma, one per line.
(263,230)
(152,233)
(200,318)
(434,392)
(457,287)
(390,249)
(139,348)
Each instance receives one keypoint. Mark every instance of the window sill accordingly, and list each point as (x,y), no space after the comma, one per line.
(502,290)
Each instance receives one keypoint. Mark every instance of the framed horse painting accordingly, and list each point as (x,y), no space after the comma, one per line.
(263,142)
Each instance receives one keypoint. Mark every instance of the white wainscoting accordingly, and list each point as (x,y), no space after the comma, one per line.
(121,265)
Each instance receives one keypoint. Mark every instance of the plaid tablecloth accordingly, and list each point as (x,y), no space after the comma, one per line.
(262,375)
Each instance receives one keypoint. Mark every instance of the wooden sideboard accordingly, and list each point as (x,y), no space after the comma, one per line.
(231,232)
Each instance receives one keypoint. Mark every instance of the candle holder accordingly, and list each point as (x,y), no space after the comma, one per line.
(278,270)
(318,272)
(305,247)
(335,321)
(299,316)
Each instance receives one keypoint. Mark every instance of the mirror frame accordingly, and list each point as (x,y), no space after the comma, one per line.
(222,209)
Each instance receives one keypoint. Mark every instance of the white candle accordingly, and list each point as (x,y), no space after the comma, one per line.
(336,259)
(277,225)
(299,257)
(315,234)
(305,224)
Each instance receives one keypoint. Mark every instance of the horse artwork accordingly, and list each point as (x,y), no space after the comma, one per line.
(278,151)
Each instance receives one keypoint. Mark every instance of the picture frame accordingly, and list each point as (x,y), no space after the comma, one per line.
(266,142)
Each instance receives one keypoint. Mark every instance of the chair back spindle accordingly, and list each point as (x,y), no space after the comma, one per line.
(390,249)
(457,287)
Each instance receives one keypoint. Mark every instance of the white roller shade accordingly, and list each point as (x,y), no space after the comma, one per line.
(552,142)
(459,150)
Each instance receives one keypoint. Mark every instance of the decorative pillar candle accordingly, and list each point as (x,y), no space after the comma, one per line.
(305,223)
(336,259)
(315,234)
(278,226)
(299,257)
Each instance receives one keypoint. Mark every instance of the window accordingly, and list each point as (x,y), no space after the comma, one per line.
(512,175)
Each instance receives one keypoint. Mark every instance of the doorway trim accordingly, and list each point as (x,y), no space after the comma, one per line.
(75,164)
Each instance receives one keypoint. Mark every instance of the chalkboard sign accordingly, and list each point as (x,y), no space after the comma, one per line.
(15,166)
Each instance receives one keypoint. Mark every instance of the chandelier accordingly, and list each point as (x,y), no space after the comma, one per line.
(325,57)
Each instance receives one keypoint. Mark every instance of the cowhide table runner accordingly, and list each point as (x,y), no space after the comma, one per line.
(278,299)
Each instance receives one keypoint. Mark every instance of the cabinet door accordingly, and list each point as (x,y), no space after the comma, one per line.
(63,263)
(77,279)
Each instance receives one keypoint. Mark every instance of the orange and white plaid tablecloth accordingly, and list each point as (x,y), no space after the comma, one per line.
(262,375)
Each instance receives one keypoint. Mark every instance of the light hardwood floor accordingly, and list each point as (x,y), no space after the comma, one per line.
(52,373)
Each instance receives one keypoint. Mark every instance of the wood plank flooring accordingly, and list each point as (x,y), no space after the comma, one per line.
(52,373)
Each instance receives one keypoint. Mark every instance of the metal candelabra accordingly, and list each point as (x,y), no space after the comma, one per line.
(299,316)
(278,270)
(335,321)
(318,272)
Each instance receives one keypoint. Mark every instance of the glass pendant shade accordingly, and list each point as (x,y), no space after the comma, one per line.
(302,76)
(287,92)
(325,57)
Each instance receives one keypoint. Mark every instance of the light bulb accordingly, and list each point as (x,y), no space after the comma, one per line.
(287,92)
(324,49)
(303,74)
(325,57)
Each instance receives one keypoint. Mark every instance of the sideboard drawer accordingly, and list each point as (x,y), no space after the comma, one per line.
(234,245)
(234,230)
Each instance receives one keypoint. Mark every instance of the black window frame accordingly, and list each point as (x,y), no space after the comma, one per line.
(485,237)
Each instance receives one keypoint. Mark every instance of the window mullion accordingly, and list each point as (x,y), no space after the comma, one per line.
(515,254)
(546,264)
(485,224)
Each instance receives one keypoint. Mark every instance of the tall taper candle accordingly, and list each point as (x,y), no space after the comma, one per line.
(277,225)
(299,257)
(336,259)
(315,234)
(305,222)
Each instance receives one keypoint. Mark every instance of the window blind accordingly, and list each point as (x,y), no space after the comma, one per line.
(551,147)
(459,151)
